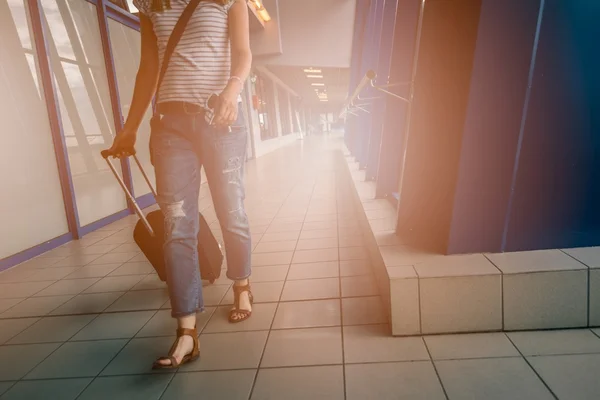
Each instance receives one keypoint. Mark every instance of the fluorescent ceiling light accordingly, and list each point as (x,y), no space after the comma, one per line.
(318,84)
(324,100)
(261,10)
(264,14)
(314,76)
(312,71)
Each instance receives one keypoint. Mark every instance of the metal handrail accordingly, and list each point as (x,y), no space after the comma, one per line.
(381,89)
(369,79)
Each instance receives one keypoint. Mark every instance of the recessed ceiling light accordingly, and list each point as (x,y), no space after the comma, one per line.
(314,76)
(318,84)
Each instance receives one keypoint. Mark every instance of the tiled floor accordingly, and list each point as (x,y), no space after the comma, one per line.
(86,321)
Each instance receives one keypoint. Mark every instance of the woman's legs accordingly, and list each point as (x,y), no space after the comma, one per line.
(178,183)
(223,157)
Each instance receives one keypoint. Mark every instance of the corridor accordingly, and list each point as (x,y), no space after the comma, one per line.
(86,320)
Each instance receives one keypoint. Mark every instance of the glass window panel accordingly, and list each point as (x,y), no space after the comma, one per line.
(132,7)
(126,5)
(31,206)
(265,92)
(75,49)
(125,43)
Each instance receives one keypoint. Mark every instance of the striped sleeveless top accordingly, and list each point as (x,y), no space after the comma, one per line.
(201,63)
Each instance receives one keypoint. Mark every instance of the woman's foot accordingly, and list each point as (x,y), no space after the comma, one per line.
(242,301)
(183,346)
(186,346)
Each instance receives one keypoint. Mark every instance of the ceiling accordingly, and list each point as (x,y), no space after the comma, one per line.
(335,83)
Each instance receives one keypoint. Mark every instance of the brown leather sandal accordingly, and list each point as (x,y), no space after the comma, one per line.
(193,356)
(237,311)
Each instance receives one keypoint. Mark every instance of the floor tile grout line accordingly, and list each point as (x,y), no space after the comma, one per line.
(164,391)
(210,317)
(6,342)
(589,283)
(279,367)
(142,277)
(418,304)
(502,304)
(11,385)
(589,297)
(48,315)
(71,340)
(341,301)
(136,336)
(531,367)
(66,278)
(114,357)
(437,373)
(39,363)
(65,341)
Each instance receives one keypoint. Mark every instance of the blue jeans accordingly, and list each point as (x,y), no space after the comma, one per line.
(180,147)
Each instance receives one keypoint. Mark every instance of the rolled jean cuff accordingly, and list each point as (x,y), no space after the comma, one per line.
(183,314)
(238,278)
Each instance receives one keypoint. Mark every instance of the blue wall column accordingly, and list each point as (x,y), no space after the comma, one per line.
(503,151)
(382,69)
(433,138)
(360,26)
(369,61)
(505,43)
(357,121)
(554,191)
(403,57)
(530,162)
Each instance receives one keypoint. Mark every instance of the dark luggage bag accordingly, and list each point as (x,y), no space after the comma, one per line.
(209,251)
(149,235)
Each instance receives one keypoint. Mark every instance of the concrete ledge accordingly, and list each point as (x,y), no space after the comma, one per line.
(427,293)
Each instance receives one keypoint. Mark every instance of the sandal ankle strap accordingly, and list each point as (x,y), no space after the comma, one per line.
(237,290)
(187,332)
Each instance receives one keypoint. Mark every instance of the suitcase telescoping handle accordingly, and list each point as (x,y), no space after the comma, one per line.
(106,155)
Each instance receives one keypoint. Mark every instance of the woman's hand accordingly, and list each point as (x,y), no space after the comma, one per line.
(123,144)
(227,107)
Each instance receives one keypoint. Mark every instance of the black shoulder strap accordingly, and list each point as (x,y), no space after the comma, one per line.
(174,39)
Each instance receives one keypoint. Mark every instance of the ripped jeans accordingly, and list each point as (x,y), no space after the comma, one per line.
(182,145)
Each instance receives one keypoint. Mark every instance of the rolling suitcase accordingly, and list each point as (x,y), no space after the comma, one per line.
(149,235)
